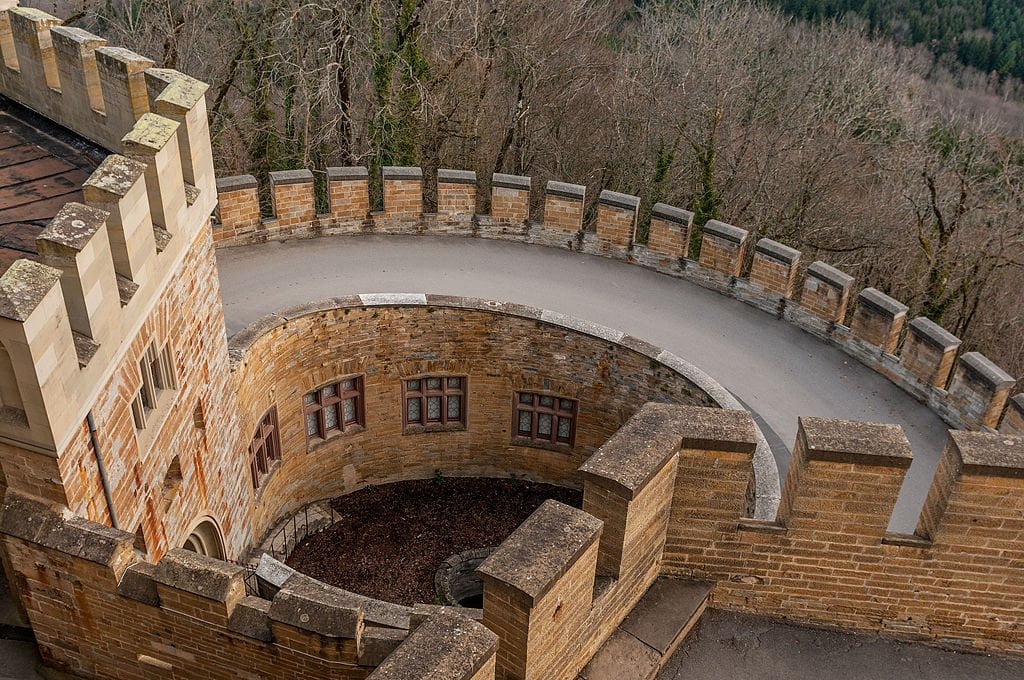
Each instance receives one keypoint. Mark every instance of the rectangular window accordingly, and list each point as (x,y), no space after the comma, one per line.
(435,401)
(264,448)
(544,418)
(334,408)
(158,375)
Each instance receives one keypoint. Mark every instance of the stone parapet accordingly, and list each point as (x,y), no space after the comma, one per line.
(1013,418)
(446,646)
(979,390)
(456,193)
(403,193)
(774,267)
(826,292)
(617,219)
(929,352)
(669,233)
(879,319)
(723,248)
(292,193)
(563,206)
(510,198)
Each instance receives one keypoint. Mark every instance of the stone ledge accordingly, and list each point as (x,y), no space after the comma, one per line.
(503,181)
(882,303)
(378,644)
(830,275)
(617,200)
(449,176)
(717,429)
(726,231)
(285,177)
(23,286)
(934,334)
(236,183)
(198,574)
(849,441)
(251,617)
(348,172)
(72,227)
(317,607)
(446,647)
(994,455)
(566,190)
(395,172)
(777,251)
(671,213)
(117,174)
(150,134)
(542,549)
(984,369)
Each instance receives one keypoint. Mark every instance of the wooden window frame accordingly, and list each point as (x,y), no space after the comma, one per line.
(159,375)
(264,447)
(445,422)
(557,413)
(321,404)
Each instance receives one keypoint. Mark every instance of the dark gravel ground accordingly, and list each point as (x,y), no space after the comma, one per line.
(392,538)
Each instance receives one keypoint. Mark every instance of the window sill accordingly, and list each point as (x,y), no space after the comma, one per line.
(434,427)
(258,493)
(314,443)
(155,419)
(547,446)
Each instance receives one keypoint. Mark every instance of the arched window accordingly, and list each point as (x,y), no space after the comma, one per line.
(205,540)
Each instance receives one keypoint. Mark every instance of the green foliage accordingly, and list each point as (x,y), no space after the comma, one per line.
(985,34)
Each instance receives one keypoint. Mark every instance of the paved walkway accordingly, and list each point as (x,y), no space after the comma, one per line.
(779,371)
(726,646)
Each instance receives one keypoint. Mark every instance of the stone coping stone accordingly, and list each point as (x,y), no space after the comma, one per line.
(617,200)
(198,574)
(421,612)
(251,617)
(384,299)
(73,34)
(377,644)
(74,225)
(117,174)
(777,251)
(122,59)
(628,461)
(566,190)
(934,334)
(308,604)
(236,183)
(504,181)
(851,441)
(23,286)
(150,134)
(726,231)
(542,549)
(981,367)
(830,275)
(283,177)
(55,528)
(587,327)
(665,610)
(879,302)
(348,172)
(395,172)
(670,213)
(446,647)
(449,176)
(137,583)
(709,429)
(1017,402)
(989,454)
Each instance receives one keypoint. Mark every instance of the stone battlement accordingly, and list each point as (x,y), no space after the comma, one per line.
(966,390)
(66,320)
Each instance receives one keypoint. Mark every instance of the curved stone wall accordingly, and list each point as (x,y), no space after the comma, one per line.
(501,348)
(964,388)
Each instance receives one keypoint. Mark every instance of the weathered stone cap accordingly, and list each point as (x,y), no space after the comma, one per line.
(137,583)
(566,190)
(617,200)
(446,647)
(56,528)
(449,176)
(251,617)
(23,286)
(504,181)
(378,644)
(716,429)
(236,183)
(121,60)
(830,275)
(422,612)
(200,575)
(71,35)
(993,455)
(150,134)
(282,177)
(671,213)
(882,303)
(401,172)
(348,172)
(638,451)
(117,174)
(73,226)
(777,251)
(934,334)
(542,549)
(851,441)
(982,368)
(726,231)
(314,606)
(181,93)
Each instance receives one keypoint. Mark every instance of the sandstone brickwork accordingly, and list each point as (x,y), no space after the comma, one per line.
(456,192)
(563,206)
(826,292)
(510,198)
(616,218)
(879,319)
(723,248)
(348,193)
(929,352)
(238,207)
(403,193)
(292,195)
(774,267)
(669,233)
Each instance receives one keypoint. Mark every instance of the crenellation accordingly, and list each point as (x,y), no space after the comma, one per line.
(349,195)
(617,219)
(182,99)
(153,142)
(456,193)
(292,193)
(563,207)
(403,193)
(774,268)
(929,352)
(510,198)
(669,233)
(1013,417)
(30,29)
(879,319)
(826,292)
(75,53)
(979,390)
(723,248)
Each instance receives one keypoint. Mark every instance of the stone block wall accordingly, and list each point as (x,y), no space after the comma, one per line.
(403,193)
(669,233)
(774,267)
(292,194)
(238,208)
(723,248)
(510,198)
(456,192)
(348,193)
(616,219)
(879,319)
(500,348)
(563,206)
(979,390)
(929,352)
(1013,418)
(826,292)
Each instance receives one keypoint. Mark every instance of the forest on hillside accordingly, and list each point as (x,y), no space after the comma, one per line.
(987,35)
(816,134)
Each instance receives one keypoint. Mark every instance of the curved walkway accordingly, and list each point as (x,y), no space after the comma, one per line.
(777,370)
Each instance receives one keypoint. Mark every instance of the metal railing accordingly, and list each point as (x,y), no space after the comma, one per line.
(297,529)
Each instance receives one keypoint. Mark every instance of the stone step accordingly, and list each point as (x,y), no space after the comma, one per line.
(648,636)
